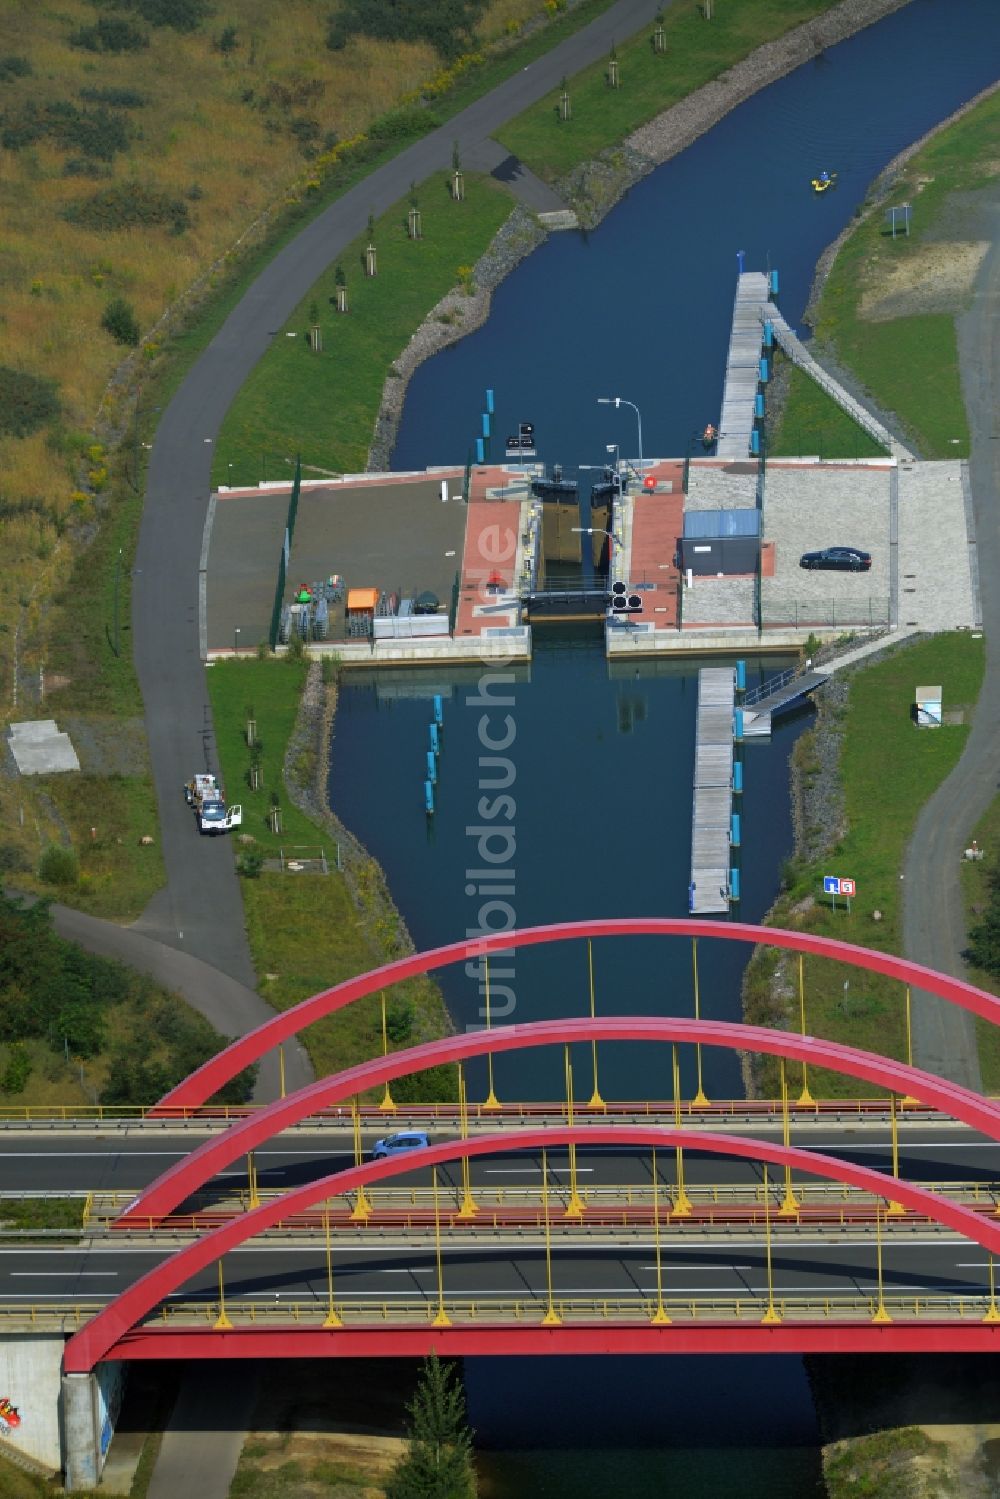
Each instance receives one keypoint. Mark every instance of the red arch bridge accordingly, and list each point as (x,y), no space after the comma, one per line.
(516,1231)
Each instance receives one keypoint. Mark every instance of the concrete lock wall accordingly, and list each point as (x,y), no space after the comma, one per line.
(30,1371)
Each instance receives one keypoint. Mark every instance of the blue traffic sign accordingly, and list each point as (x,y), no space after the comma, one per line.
(831,884)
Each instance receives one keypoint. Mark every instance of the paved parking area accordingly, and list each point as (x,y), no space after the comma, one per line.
(826,505)
(391,532)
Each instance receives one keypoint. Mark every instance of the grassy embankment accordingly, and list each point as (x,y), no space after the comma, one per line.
(248,145)
(308,932)
(889,770)
(888,307)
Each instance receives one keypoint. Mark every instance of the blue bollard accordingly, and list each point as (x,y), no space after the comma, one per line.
(486,424)
(480,451)
(734,884)
(738,778)
(432,768)
(754,443)
(428,797)
(768,335)
(738,725)
(741,676)
(740,260)
(774,283)
(435,739)
(734,830)
(765,371)
(438,710)
(489,402)
(758,405)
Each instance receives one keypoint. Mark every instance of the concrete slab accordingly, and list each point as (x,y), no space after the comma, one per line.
(390,532)
(39,749)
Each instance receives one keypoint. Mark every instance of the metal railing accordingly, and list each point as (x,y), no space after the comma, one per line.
(526,1311)
(447,1113)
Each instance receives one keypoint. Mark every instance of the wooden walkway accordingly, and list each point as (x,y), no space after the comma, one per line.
(713,791)
(742,367)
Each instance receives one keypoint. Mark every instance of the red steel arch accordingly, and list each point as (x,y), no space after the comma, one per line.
(193,1170)
(194,1090)
(98,1339)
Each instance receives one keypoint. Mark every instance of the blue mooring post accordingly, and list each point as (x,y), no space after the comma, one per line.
(691,889)
(765,371)
(435,740)
(486,424)
(738,778)
(774,283)
(432,767)
(428,798)
(489,402)
(758,405)
(740,258)
(438,710)
(734,884)
(738,725)
(769,335)
(480,451)
(734,830)
(754,443)
(741,676)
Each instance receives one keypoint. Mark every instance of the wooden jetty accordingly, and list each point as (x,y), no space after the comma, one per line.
(742,367)
(713,791)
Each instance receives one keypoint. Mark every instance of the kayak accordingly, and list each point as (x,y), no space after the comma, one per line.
(821,184)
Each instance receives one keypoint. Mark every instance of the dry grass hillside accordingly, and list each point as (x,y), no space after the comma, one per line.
(123,175)
(140,142)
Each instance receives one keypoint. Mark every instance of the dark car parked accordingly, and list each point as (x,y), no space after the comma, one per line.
(846,559)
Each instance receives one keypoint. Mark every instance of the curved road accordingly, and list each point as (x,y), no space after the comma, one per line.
(944,1039)
(200,910)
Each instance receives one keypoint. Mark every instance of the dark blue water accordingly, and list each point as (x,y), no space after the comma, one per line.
(640,308)
(599,824)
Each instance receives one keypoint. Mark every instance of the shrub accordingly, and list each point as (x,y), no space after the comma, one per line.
(251,861)
(27,402)
(110,34)
(445,24)
(182,15)
(120,321)
(97,132)
(130,205)
(14,67)
(17,1069)
(118,98)
(58,866)
(227,41)
(399,1021)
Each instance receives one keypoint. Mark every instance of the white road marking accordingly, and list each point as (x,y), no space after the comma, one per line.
(55,1274)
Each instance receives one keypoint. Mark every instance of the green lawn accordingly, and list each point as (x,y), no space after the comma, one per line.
(308,932)
(889,769)
(697,52)
(324,405)
(812,422)
(911,362)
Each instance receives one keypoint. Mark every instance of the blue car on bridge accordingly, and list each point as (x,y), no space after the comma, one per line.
(397,1144)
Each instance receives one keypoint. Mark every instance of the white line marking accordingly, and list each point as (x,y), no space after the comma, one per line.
(56,1274)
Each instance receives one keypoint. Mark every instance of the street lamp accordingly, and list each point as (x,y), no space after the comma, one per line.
(140,410)
(618,401)
(236,640)
(599,531)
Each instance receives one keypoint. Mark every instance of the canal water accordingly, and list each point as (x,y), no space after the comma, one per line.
(600,758)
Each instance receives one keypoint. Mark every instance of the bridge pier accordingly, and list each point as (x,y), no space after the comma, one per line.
(81,1437)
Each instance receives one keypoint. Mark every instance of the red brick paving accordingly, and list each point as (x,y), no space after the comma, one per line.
(657,526)
(491,532)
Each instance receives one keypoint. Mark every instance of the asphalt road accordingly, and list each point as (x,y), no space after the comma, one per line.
(913,1263)
(83,1161)
(200,910)
(944,1037)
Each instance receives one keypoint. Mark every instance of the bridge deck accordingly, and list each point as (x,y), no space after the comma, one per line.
(713,779)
